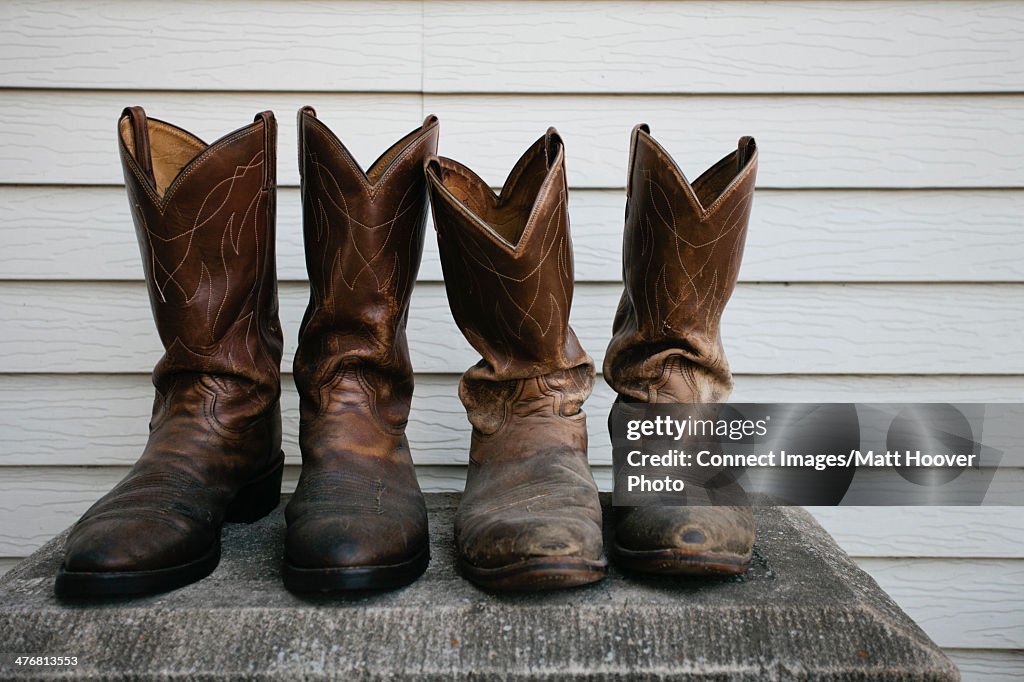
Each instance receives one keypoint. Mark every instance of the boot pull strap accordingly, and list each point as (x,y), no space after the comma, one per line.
(552,143)
(429,122)
(140,140)
(307,111)
(744,150)
(633,138)
(269,149)
(432,165)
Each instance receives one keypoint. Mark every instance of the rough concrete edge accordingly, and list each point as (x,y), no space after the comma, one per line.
(875,601)
(817,541)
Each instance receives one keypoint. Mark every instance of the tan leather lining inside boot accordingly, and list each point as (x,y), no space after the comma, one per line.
(506,215)
(171,150)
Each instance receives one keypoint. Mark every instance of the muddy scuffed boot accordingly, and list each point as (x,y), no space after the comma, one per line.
(681,255)
(204,217)
(530,518)
(358,519)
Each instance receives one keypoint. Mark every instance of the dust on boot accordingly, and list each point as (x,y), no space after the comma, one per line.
(358,519)
(530,518)
(204,217)
(681,256)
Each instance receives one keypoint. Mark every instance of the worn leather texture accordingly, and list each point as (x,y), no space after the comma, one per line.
(508,269)
(358,502)
(682,248)
(204,217)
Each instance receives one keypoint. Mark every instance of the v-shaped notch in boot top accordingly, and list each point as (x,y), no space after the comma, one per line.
(376,176)
(509,217)
(708,192)
(163,154)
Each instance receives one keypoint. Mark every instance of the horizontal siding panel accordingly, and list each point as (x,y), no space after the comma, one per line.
(1003,487)
(54,137)
(62,137)
(85,233)
(723,47)
(195,45)
(768,329)
(959,603)
(980,665)
(473,47)
(952,532)
(829,142)
(77,420)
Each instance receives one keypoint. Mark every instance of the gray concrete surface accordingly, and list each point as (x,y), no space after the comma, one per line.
(802,612)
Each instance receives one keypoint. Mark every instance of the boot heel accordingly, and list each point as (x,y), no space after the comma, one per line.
(258,498)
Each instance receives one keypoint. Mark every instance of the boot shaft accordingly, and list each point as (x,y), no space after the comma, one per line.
(205,221)
(363,236)
(508,261)
(682,248)
(508,269)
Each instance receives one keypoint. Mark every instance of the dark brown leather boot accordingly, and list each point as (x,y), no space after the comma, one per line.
(358,519)
(681,256)
(530,518)
(204,216)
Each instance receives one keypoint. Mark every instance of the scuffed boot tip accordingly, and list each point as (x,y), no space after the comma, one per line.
(339,579)
(537,574)
(693,536)
(104,584)
(688,562)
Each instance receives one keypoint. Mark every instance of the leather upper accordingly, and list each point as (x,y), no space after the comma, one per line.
(207,238)
(508,265)
(358,502)
(681,255)
(364,238)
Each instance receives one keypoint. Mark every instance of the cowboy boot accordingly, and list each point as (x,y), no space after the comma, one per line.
(530,517)
(204,217)
(681,255)
(358,519)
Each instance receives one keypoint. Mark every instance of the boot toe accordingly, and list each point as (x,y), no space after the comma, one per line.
(500,542)
(700,530)
(116,544)
(332,541)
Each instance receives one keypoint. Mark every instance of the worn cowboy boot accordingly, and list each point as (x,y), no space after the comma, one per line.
(530,518)
(357,519)
(681,256)
(204,216)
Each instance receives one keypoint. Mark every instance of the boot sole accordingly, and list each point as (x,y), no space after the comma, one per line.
(254,501)
(681,562)
(353,578)
(541,573)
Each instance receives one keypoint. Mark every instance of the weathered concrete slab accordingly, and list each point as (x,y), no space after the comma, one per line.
(802,612)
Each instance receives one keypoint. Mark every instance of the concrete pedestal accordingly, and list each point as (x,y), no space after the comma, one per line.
(803,611)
